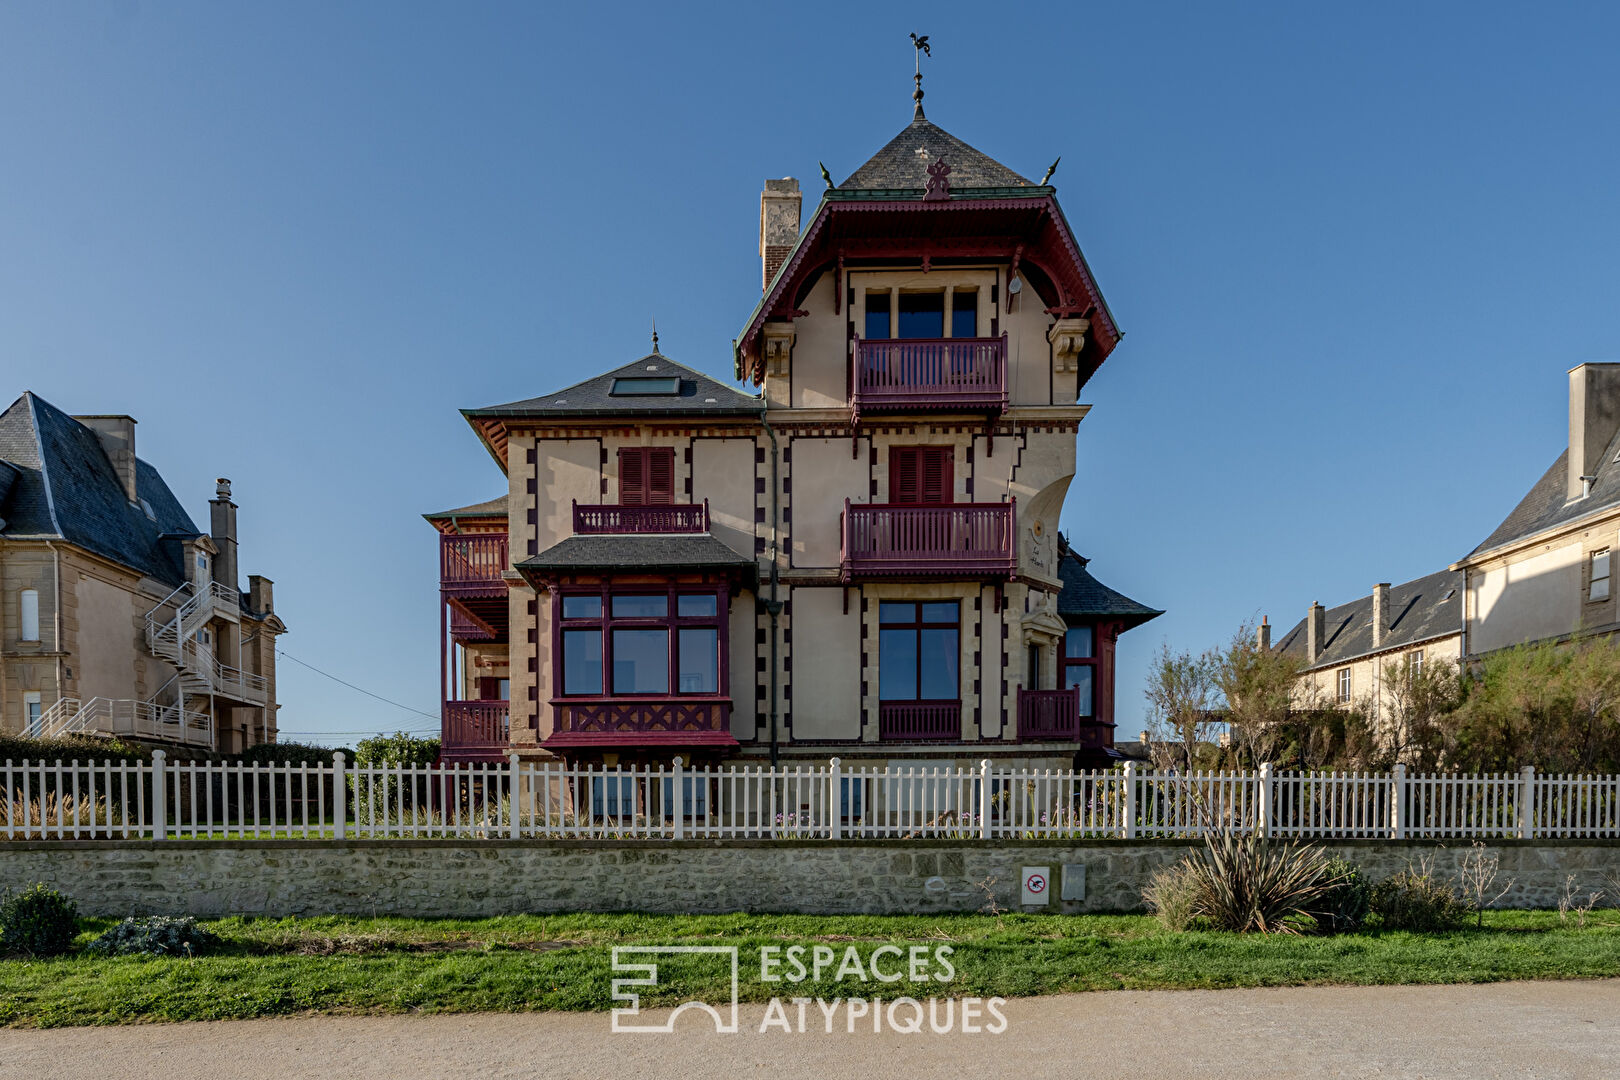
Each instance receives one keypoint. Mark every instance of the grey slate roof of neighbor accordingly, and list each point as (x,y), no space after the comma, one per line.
(1428,607)
(1083,596)
(903,163)
(653,553)
(1545,505)
(65,488)
(493,508)
(699,395)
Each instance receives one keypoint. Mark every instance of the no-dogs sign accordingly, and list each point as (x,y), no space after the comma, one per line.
(1036,884)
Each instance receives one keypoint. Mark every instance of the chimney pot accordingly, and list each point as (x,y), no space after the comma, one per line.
(1263,635)
(222,488)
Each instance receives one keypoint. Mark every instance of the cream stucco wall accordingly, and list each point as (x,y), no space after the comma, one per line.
(824,474)
(723,472)
(1535,597)
(109,643)
(827,668)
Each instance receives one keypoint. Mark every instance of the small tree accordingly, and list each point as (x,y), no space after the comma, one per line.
(1258,687)
(1418,704)
(1180,693)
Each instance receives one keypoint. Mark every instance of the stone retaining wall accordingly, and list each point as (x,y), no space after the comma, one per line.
(456,878)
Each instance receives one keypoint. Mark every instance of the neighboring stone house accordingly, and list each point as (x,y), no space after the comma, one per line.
(861,562)
(1347,650)
(1546,573)
(117,615)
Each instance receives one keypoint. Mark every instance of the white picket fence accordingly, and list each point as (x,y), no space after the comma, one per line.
(161,800)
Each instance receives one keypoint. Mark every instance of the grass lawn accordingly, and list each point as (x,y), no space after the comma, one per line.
(356,965)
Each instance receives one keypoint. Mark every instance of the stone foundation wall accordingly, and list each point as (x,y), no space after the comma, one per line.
(453,878)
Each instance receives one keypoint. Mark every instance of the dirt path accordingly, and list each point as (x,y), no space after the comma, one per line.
(1555,1029)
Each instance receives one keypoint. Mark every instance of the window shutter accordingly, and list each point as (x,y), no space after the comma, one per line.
(904,484)
(660,475)
(632,477)
(936,475)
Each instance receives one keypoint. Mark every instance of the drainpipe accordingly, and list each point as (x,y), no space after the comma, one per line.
(56,630)
(773,606)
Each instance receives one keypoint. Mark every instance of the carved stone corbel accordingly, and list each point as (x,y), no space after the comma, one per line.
(778,347)
(1068,337)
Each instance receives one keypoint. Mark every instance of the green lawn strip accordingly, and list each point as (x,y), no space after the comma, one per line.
(520,963)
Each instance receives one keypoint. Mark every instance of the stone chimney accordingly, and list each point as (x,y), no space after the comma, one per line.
(1380,613)
(117,435)
(222,527)
(1262,636)
(1594,417)
(261,594)
(778,225)
(1315,631)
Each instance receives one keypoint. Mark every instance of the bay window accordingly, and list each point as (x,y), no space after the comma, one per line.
(1080,666)
(642,641)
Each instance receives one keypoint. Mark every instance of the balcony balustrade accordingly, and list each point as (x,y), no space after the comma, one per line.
(607,520)
(1054,716)
(471,564)
(475,730)
(900,721)
(640,721)
(949,540)
(930,374)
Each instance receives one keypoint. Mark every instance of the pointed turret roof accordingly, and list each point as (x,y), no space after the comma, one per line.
(903,163)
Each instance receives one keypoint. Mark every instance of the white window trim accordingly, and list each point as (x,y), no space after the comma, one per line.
(1598,586)
(31,723)
(1345,685)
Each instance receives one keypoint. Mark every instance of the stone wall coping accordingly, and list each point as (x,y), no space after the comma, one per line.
(1101,844)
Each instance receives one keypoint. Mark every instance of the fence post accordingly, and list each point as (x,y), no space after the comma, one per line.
(160,797)
(514,772)
(984,799)
(1397,802)
(340,797)
(1127,829)
(680,799)
(1527,803)
(835,801)
(1264,825)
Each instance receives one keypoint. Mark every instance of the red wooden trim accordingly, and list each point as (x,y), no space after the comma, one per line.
(930,375)
(609,519)
(473,726)
(472,563)
(909,720)
(958,540)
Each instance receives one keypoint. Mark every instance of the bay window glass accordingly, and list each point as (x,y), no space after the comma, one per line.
(641,643)
(641,661)
(919,656)
(640,607)
(1080,666)
(699,654)
(582,607)
(582,661)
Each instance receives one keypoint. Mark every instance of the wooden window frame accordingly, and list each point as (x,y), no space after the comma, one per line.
(917,625)
(671,622)
(909,468)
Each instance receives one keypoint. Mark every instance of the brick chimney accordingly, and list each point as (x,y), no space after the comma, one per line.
(1262,636)
(117,435)
(1594,417)
(778,225)
(1380,613)
(1315,631)
(222,527)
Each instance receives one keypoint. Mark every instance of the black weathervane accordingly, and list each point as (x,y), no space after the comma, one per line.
(921,46)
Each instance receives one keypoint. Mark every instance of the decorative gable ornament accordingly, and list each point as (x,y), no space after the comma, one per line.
(939,188)
(1068,338)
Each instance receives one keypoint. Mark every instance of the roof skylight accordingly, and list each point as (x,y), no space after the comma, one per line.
(646,386)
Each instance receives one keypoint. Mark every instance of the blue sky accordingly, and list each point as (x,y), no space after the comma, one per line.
(1354,250)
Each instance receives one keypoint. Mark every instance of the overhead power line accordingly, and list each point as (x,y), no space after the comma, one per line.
(351,686)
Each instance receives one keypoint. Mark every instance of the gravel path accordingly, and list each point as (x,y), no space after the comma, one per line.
(1521,1030)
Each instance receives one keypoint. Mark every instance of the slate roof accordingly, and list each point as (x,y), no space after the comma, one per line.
(65,488)
(699,395)
(1428,607)
(695,551)
(903,163)
(1083,596)
(1545,505)
(493,508)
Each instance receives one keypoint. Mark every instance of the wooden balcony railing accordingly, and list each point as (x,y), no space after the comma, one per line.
(1054,716)
(902,720)
(955,540)
(919,374)
(472,562)
(651,720)
(472,730)
(616,520)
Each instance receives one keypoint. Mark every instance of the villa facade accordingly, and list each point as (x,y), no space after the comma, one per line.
(861,560)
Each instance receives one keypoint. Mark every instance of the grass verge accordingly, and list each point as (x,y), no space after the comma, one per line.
(353,965)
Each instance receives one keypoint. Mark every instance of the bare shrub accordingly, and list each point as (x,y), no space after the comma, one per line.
(1477,878)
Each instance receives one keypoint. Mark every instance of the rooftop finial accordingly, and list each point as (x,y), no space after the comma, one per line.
(921,45)
(655,336)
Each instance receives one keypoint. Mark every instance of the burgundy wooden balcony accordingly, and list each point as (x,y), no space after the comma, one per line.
(621,520)
(630,722)
(930,374)
(1054,716)
(471,564)
(950,540)
(916,720)
(474,730)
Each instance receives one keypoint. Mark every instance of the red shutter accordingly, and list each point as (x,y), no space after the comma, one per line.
(632,476)
(936,475)
(660,475)
(905,486)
